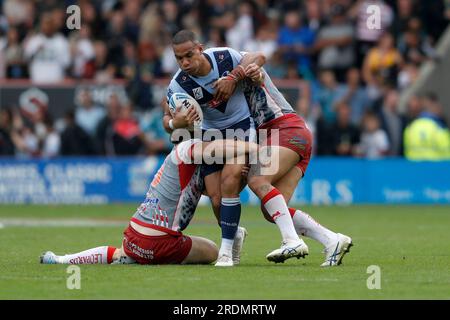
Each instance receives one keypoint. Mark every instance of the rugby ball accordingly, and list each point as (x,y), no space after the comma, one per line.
(185,101)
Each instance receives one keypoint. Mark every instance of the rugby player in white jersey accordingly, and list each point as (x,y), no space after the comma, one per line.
(222,118)
(289,144)
(154,234)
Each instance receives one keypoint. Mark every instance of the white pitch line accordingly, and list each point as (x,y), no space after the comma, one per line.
(25,222)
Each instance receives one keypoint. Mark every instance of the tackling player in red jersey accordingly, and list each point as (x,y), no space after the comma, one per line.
(288,143)
(154,234)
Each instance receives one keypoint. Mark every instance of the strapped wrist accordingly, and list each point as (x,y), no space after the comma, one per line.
(238,73)
(171,126)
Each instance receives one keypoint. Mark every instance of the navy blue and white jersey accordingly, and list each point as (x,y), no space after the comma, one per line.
(216,114)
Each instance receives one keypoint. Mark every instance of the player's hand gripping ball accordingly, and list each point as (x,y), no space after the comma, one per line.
(183,102)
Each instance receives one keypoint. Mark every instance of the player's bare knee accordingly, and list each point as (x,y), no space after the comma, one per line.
(211,252)
(230,184)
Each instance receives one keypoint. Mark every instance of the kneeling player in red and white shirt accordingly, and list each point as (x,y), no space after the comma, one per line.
(154,234)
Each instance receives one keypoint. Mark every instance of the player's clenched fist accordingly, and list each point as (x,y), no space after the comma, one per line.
(253,71)
(185,119)
(224,88)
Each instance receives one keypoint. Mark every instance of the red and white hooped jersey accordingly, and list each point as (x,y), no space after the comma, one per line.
(174,192)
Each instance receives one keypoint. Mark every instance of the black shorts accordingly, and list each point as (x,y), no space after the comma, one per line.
(246,133)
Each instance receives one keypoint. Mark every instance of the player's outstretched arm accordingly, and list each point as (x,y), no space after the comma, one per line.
(222,150)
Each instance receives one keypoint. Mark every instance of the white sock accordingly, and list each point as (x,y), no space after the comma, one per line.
(277,208)
(226,247)
(99,255)
(308,227)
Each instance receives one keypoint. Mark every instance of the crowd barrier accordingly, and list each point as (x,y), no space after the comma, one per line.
(328,181)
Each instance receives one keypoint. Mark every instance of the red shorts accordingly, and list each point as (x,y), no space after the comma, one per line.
(166,249)
(292,134)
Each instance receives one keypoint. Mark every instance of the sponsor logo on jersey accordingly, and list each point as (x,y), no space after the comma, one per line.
(198,94)
(152,202)
(298,142)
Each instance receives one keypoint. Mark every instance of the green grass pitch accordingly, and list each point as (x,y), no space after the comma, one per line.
(410,244)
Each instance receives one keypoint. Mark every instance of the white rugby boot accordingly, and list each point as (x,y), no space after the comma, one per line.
(290,249)
(336,251)
(224,260)
(49,258)
(239,239)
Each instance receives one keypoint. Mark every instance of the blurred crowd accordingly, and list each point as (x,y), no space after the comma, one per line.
(351,75)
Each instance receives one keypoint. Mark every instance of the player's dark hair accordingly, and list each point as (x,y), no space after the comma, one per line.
(184,36)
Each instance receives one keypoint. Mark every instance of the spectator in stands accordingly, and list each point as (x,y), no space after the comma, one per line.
(104,71)
(26,142)
(74,140)
(149,63)
(295,42)
(428,137)
(238,26)
(334,43)
(407,75)
(313,14)
(328,94)
(87,113)
(343,134)
(392,122)
(48,53)
(116,38)
(131,40)
(412,49)
(355,95)
(413,109)
(216,38)
(405,10)
(276,67)
(374,140)
(381,65)
(264,42)
(51,143)
(6,144)
(105,128)
(14,59)
(83,52)
(368,36)
(127,138)
(157,139)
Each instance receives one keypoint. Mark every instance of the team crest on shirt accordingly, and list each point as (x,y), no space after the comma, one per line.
(198,94)
(221,56)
